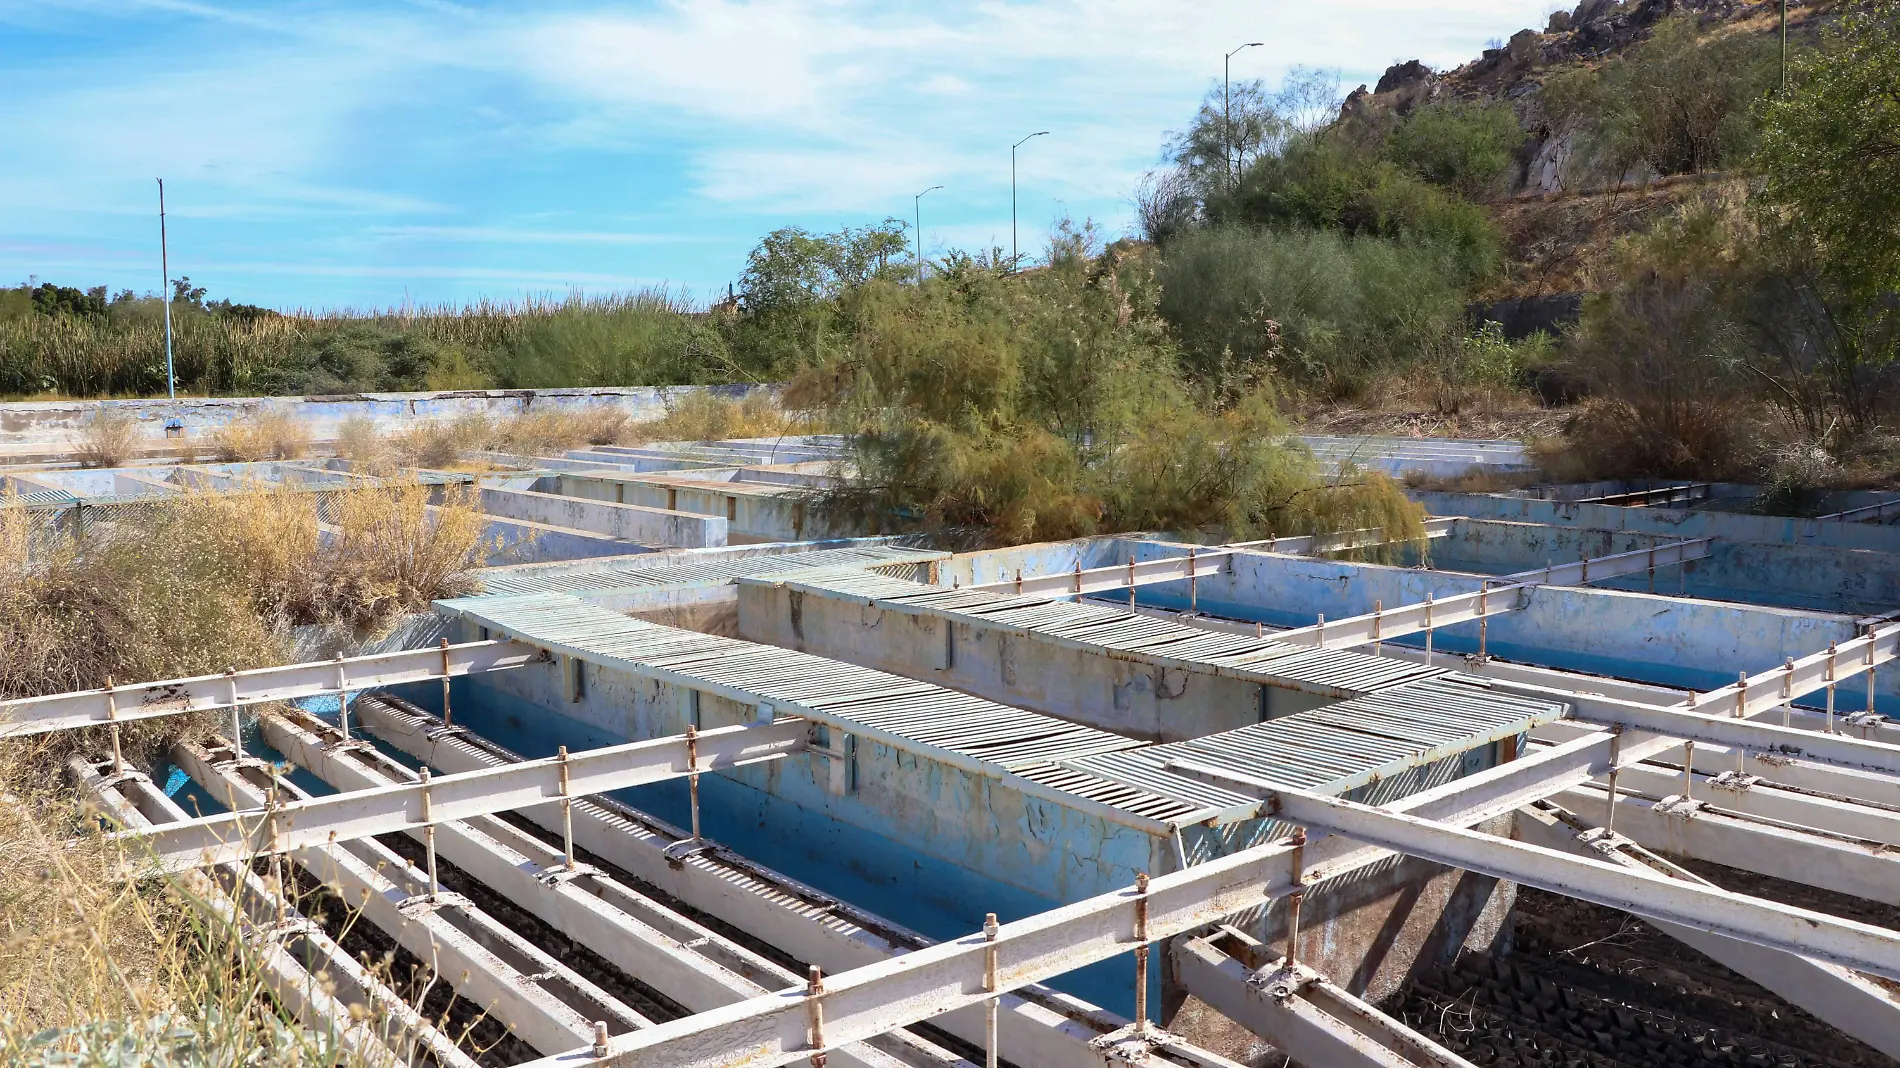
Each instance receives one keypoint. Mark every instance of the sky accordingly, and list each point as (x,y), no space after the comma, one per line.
(379,153)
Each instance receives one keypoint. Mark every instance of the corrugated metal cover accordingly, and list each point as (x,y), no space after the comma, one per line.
(623,576)
(1341,673)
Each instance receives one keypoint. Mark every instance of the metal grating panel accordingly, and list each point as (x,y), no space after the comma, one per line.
(623,576)
(1341,673)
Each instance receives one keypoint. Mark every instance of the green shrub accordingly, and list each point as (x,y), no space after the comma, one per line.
(1318,307)
(1464,147)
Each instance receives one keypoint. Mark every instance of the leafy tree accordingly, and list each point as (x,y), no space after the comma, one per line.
(1680,102)
(1830,150)
(792,267)
(49,299)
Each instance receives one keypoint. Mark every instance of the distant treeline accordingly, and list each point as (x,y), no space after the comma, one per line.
(62,340)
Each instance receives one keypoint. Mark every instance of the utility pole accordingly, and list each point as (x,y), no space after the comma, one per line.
(1015,256)
(917,210)
(165,267)
(1226,110)
(1784,47)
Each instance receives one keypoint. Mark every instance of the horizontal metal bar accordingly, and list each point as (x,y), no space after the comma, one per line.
(150,700)
(1581,572)
(342,817)
(1864,514)
(774,1029)
(1799,678)
(1364,538)
(1682,723)
(1387,624)
(1693,491)
(1804,932)
(1116,577)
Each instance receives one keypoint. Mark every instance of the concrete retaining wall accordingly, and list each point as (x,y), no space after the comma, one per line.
(645,526)
(1673,522)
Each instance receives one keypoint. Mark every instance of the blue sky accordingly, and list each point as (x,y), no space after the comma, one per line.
(326,155)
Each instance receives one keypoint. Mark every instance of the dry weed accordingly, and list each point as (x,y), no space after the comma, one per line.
(109,439)
(703,416)
(358,441)
(440,444)
(268,436)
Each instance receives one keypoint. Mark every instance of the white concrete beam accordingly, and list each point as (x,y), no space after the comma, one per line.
(540,999)
(1302,1014)
(364,1017)
(687,962)
(247,833)
(1040,1027)
(1851,1002)
(150,700)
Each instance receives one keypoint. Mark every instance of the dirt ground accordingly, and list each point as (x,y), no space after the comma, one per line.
(1590,987)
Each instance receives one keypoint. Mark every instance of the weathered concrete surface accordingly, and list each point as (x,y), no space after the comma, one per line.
(1670,641)
(1673,522)
(1113,693)
(754,510)
(645,526)
(49,427)
(519,541)
(1854,581)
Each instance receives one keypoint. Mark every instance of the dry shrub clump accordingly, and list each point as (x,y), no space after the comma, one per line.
(102,966)
(108,439)
(268,436)
(367,556)
(704,416)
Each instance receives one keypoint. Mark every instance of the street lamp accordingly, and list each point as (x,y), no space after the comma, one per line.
(918,215)
(1014,255)
(1226,115)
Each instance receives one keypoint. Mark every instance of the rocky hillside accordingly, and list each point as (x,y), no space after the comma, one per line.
(1564,204)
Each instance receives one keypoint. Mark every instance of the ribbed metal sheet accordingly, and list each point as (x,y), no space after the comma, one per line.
(1341,673)
(623,575)
(902,711)
(1342,747)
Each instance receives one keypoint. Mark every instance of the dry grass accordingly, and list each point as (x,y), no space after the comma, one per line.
(268,436)
(96,969)
(702,416)
(108,440)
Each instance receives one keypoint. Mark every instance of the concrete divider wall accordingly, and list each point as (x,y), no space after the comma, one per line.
(757,512)
(1857,581)
(1668,641)
(1673,522)
(56,423)
(1114,694)
(646,526)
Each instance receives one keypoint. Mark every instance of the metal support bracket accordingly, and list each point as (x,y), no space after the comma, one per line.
(1283,981)
(560,873)
(677,853)
(421,904)
(1128,1045)
(1730,780)
(1678,805)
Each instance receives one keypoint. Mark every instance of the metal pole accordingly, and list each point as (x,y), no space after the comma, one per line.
(1784,46)
(1226,110)
(165,291)
(917,215)
(1015,254)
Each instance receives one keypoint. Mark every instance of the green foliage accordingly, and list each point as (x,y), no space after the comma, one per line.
(1830,151)
(641,338)
(1052,405)
(791,286)
(1679,103)
(1461,146)
(1329,183)
(1317,307)
(1488,358)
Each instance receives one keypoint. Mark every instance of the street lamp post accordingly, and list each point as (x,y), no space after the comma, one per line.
(165,268)
(917,210)
(1015,256)
(1226,110)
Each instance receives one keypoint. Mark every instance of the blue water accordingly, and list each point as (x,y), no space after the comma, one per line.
(887,877)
